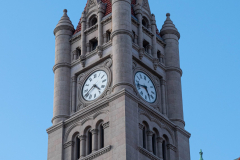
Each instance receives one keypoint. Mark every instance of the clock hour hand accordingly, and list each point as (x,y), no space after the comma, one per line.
(90,89)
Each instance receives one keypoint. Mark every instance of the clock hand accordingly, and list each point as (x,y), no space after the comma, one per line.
(91,89)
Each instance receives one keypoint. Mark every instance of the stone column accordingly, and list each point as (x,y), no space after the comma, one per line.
(150,27)
(83,35)
(82,146)
(107,134)
(138,11)
(140,135)
(172,151)
(104,38)
(94,139)
(136,39)
(163,93)
(62,72)
(74,87)
(154,39)
(122,45)
(159,147)
(162,58)
(149,141)
(171,36)
(101,10)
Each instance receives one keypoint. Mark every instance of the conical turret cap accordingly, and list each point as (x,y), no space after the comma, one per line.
(65,23)
(169,28)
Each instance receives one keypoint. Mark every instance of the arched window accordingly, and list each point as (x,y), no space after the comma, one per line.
(101,137)
(145,22)
(76,146)
(164,147)
(159,56)
(144,134)
(154,144)
(78,52)
(92,20)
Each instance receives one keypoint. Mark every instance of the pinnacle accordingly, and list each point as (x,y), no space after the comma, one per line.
(65,20)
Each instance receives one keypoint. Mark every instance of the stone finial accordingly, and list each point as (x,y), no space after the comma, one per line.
(169,28)
(201,155)
(64,24)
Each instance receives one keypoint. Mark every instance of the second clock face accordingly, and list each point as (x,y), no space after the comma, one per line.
(145,87)
(95,85)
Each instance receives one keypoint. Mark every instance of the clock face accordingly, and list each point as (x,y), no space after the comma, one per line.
(145,87)
(94,85)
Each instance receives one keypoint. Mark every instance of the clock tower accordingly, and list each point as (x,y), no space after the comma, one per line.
(117,86)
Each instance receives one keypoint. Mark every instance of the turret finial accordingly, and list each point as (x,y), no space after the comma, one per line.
(201,155)
(65,11)
(168,14)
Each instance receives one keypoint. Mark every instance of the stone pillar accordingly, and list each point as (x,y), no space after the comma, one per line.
(150,27)
(122,45)
(163,94)
(159,147)
(154,39)
(162,58)
(61,105)
(83,35)
(140,139)
(138,11)
(104,38)
(101,10)
(74,87)
(82,146)
(94,139)
(107,134)
(172,151)
(136,39)
(171,36)
(149,141)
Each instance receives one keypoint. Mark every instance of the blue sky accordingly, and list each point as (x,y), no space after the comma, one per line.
(210,56)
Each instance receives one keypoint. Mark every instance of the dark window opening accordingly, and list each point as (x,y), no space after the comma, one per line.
(108,36)
(145,45)
(93,21)
(94,44)
(78,148)
(89,142)
(144,140)
(144,23)
(164,150)
(101,136)
(154,144)
(133,38)
(78,52)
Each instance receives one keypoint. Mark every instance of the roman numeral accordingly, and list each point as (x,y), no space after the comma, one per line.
(144,77)
(90,96)
(86,95)
(137,81)
(140,76)
(102,86)
(87,85)
(95,95)
(145,97)
(152,92)
(95,75)
(151,87)
(90,79)
(104,80)
(141,93)
(102,76)
(152,97)
(85,90)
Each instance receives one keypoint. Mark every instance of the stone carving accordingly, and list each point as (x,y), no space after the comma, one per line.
(97,153)
(68,144)
(100,51)
(83,60)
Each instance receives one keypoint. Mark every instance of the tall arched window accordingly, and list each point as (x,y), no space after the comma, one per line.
(145,22)
(89,141)
(154,144)
(164,150)
(144,138)
(159,56)
(76,146)
(101,137)
(93,21)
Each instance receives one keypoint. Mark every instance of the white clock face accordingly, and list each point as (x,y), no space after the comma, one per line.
(94,85)
(145,87)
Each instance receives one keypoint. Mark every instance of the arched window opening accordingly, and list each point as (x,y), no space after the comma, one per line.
(145,22)
(101,137)
(93,44)
(145,45)
(77,148)
(133,38)
(93,21)
(144,137)
(154,144)
(78,52)
(159,56)
(108,36)
(89,141)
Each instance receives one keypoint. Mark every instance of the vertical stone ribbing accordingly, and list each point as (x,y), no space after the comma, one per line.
(122,44)
(83,36)
(154,48)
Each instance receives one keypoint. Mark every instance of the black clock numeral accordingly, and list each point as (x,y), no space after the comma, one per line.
(148,81)
(90,79)
(145,97)
(90,96)
(137,81)
(104,80)
(140,76)
(152,97)
(152,92)
(95,95)
(102,76)
(102,86)
(95,75)
(87,85)
(141,93)
(151,87)
(145,78)
(99,74)
(85,90)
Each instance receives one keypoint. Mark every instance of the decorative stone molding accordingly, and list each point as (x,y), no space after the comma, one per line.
(94,131)
(83,60)
(101,7)
(141,53)
(105,125)
(60,116)
(63,27)
(155,63)
(55,127)
(140,126)
(160,41)
(148,154)
(171,68)
(179,120)
(100,51)
(82,137)
(172,147)
(121,31)
(107,19)
(147,32)
(75,38)
(97,153)
(91,29)
(68,144)
(74,78)
(149,133)
(170,31)
(56,66)
(163,82)
(160,139)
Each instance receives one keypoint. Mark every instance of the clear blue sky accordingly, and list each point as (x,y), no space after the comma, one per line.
(210,59)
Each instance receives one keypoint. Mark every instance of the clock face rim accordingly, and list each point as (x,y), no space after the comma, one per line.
(85,81)
(149,77)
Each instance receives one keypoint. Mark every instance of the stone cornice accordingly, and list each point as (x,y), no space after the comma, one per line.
(172,68)
(170,31)
(63,27)
(56,66)
(159,41)
(75,38)
(172,147)
(68,144)
(107,19)
(55,127)
(105,125)
(91,29)
(135,22)
(121,31)
(97,153)
(147,32)
(148,154)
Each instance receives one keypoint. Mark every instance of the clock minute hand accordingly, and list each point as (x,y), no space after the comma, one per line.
(91,89)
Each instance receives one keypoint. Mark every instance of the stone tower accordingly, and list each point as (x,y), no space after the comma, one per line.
(117,86)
